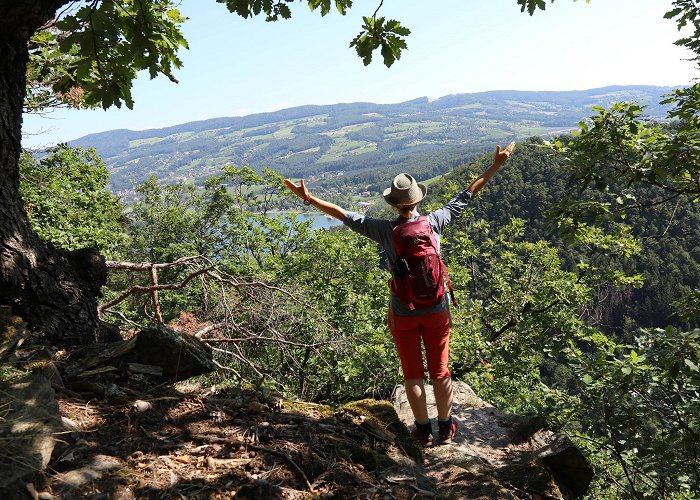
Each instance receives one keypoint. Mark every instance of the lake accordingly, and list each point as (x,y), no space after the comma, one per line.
(319,221)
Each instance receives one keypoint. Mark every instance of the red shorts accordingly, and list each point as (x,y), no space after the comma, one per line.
(434,330)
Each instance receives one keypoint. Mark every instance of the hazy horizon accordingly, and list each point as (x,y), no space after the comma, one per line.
(430,99)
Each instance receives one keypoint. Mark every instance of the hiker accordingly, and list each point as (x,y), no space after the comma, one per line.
(412,317)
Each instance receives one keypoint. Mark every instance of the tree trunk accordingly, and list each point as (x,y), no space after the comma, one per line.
(54,291)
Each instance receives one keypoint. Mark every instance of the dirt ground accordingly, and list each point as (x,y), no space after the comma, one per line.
(187,442)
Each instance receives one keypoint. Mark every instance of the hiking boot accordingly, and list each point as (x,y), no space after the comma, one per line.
(447,430)
(423,433)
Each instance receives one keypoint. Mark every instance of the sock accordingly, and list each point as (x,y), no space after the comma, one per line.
(445,420)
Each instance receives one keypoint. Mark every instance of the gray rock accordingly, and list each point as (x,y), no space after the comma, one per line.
(29,420)
(179,355)
(569,466)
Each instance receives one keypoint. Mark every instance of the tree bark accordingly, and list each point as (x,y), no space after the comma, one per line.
(54,291)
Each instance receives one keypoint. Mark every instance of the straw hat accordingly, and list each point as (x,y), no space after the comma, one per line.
(404,191)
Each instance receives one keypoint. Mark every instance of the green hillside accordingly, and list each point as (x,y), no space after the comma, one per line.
(353,143)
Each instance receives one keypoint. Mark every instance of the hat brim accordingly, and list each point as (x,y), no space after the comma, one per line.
(390,201)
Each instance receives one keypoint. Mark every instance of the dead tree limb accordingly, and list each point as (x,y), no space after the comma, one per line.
(154,296)
(216,326)
(145,266)
(139,289)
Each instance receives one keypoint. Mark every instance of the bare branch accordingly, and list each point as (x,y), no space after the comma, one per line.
(143,266)
(210,328)
(149,289)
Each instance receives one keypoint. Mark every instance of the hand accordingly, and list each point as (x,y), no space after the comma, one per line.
(501,156)
(298,189)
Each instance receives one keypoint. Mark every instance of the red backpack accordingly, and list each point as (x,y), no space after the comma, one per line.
(419,275)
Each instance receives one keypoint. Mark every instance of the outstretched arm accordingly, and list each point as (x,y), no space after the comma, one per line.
(498,160)
(326,207)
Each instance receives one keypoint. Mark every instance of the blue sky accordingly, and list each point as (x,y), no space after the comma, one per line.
(236,67)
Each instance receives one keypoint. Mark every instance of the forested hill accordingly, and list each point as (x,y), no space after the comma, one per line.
(425,136)
(534,181)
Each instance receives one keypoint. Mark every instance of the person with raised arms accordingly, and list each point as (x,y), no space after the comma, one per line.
(419,305)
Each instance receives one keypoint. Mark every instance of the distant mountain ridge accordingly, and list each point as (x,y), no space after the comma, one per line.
(352,140)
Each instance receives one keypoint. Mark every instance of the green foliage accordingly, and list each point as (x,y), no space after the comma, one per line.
(686,101)
(616,150)
(46,68)
(164,223)
(689,306)
(98,48)
(67,199)
(338,272)
(251,8)
(532,5)
(521,305)
(640,404)
(226,222)
(274,10)
(378,32)
(687,12)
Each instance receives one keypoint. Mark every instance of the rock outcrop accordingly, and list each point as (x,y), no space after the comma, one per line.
(499,455)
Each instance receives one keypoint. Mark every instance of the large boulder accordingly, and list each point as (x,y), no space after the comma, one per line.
(568,465)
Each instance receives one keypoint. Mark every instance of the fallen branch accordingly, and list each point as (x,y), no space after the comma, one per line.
(208,329)
(241,358)
(410,481)
(145,266)
(150,289)
(228,279)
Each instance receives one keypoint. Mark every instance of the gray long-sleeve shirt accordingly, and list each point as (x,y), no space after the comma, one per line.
(382,231)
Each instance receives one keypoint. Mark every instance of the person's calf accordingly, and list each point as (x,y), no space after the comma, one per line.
(415,393)
(442,388)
